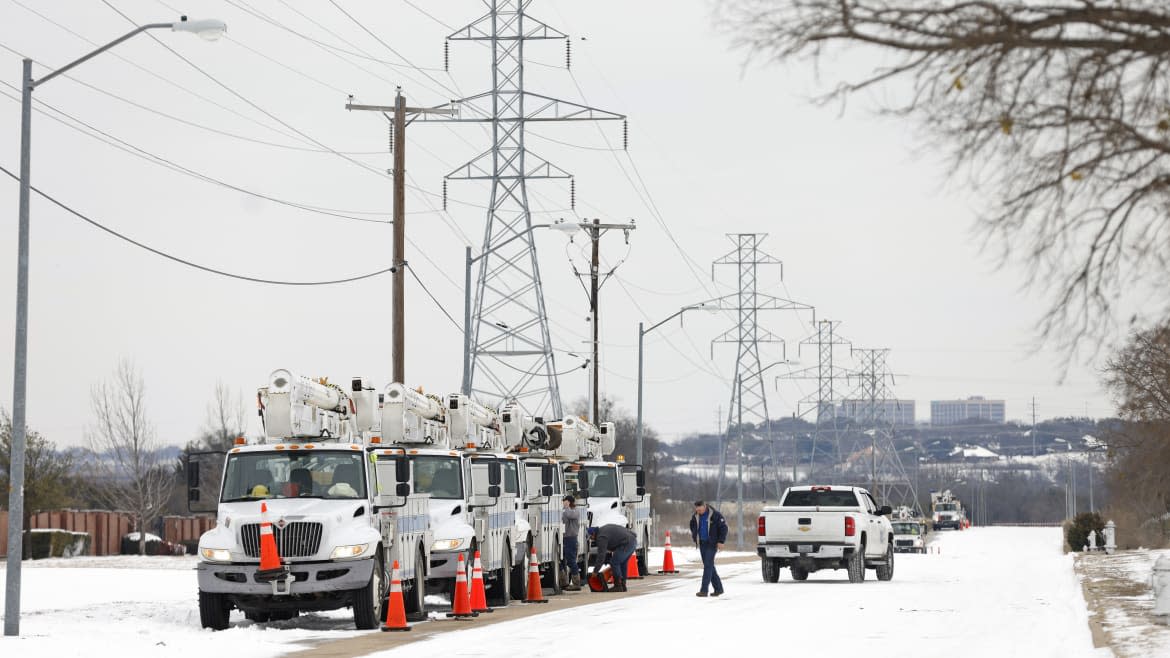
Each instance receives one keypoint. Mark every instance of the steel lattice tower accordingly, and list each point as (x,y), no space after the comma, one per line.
(749,403)
(888,479)
(511,351)
(828,378)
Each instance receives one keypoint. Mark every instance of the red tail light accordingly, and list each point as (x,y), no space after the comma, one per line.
(761,526)
(849,527)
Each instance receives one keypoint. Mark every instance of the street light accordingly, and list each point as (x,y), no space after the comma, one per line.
(713,308)
(568,228)
(207,29)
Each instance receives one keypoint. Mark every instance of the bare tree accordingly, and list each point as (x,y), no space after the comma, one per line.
(1059,106)
(225,418)
(129,472)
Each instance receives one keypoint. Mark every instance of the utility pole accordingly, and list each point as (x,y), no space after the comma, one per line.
(398,127)
(1033,425)
(596,229)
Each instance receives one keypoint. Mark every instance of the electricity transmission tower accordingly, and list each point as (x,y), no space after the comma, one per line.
(511,355)
(828,377)
(873,399)
(748,412)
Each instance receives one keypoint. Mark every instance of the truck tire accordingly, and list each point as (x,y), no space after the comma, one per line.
(886,571)
(799,574)
(413,601)
(367,601)
(214,610)
(520,575)
(856,565)
(500,590)
(552,576)
(769,569)
(643,553)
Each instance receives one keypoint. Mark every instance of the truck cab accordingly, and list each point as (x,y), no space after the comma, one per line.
(341,514)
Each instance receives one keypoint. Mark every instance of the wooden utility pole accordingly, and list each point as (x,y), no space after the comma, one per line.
(398,119)
(596,229)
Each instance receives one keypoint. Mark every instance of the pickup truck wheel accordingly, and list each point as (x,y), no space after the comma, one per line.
(413,603)
(770,570)
(643,560)
(500,591)
(214,610)
(367,601)
(856,565)
(886,571)
(799,573)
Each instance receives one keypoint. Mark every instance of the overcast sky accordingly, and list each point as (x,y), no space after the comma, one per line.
(870,229)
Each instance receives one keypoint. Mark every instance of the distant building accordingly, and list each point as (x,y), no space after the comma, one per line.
(957,412)
(898,412)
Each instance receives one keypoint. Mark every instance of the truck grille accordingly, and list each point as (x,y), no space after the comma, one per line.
(904,542)
(297,539)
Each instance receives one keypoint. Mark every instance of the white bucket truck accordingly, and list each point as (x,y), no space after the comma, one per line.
(341,510)
(458,458)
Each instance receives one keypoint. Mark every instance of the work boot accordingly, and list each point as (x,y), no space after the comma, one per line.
(620,585)
(574,583)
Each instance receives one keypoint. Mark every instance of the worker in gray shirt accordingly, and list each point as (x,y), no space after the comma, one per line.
(571,517)
(622,542)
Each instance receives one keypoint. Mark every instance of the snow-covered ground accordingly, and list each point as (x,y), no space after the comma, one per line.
(1123,600)
(990,592)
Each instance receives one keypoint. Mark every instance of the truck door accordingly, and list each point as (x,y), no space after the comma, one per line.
(204,471)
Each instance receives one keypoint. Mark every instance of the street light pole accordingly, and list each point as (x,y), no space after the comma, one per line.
(207,29)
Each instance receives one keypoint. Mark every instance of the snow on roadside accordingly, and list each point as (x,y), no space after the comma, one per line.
(991,592)
(1120,593)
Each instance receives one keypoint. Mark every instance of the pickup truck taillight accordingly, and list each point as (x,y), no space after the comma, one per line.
(849,527)
(761,526)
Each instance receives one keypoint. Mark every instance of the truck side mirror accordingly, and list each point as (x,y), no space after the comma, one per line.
(582,493)
(402,471)
(493,491)
(402,490)
(192,495)
(546,491)
(547,472)
(641,480)
(203,492)
(193,477)
(885,510)
(641,491)
(495,476)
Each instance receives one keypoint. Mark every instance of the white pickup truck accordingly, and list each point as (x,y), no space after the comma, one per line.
(824,527)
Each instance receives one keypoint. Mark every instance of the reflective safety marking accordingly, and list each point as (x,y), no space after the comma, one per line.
(641,513)
(413,523)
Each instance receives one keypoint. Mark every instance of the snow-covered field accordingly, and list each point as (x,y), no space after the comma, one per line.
(990,592)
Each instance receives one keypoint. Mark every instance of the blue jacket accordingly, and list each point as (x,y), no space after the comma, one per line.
(716,527)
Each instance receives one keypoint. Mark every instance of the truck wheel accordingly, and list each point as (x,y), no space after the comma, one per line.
(520,575)
(367,601)
(552,577)
(770,570)
(413,602)
(856,565)
(214,610)
(500,590)
(799,573)
(886,572)
(643,560)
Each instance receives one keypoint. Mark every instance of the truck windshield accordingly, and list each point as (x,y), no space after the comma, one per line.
(808,498)
(905,528)
(601,481)
(441,477)
(308,474)
(945,507)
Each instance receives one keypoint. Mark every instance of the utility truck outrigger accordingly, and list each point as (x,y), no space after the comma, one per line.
(341,507)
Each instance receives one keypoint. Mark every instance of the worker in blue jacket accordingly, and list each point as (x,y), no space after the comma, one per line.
(709,532)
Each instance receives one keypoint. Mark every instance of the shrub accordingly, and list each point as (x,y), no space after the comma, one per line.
(45,543)
(1076,532)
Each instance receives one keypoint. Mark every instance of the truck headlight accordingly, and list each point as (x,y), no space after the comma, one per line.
(216,554)
(448,544)
(345,552)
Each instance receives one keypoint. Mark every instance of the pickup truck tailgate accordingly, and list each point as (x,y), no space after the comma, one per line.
(811,524)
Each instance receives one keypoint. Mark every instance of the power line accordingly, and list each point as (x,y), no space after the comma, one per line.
(188,263)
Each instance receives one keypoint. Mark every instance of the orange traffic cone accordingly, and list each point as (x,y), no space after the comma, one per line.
(270,566)
(535,593)
(478,592)
(395,609)
(632,567)
(461,601)
(667,558)
(596,582)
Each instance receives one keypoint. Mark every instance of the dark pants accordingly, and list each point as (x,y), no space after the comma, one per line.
(707,551)
(570,556)
(621,557)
